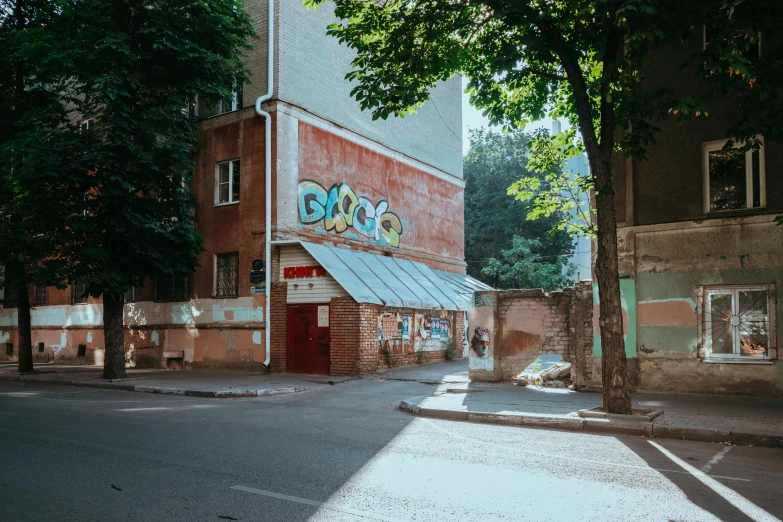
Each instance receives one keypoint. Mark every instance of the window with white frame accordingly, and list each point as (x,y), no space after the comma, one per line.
(227,274)
(737,321)
(734,179)
(227,186)
(234,103)
(85,126)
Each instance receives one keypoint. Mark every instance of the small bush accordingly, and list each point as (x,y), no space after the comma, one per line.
(451,350)
(421,355)
(391,362)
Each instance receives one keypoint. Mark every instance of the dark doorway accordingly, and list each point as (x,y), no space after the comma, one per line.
(307,346)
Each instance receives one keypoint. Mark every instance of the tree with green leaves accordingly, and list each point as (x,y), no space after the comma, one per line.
(555,193)
(38,150)
(140,64)
(494,161)
(577,59)
(520,267)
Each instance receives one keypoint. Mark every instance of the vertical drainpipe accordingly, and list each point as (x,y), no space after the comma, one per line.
(268,154)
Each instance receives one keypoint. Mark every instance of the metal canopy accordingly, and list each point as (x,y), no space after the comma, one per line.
(463,285)
(382,280)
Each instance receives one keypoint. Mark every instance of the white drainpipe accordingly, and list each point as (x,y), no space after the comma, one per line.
(268,153)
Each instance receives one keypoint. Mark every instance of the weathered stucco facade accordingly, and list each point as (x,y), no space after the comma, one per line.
(400,179)
(680,245)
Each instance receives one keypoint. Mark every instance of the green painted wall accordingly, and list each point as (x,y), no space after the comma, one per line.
(628,301)
(682,341)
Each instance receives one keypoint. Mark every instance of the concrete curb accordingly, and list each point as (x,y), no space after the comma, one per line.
(647,429)
(218,394)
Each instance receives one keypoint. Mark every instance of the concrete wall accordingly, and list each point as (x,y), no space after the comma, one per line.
(668,264)
(523,324)
(310,69)
(311,75)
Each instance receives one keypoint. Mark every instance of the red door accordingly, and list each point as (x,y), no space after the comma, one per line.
(307,346)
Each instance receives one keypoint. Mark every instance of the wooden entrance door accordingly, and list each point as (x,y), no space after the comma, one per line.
(307,346)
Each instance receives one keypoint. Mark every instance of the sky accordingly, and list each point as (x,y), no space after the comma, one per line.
(473,119)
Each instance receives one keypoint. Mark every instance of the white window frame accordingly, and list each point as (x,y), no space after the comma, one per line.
(711,146)
(705,325)
(231,200)
(85,125)
(223,107)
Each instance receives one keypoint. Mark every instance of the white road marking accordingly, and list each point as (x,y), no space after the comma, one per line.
(315,503)
(732,497)
(575,459)
(159,408)
(722,453)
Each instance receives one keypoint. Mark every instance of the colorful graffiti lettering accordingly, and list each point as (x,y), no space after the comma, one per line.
(339,209)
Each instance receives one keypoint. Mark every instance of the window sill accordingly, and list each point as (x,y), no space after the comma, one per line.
(226,204)
(733,360)
(758,211)
(225,296)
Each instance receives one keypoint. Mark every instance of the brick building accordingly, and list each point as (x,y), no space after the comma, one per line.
(390,190)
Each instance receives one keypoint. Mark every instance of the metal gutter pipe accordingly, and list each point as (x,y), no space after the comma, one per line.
(268,156)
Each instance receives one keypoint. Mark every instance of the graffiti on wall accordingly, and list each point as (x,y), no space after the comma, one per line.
(480,342)
(339,209)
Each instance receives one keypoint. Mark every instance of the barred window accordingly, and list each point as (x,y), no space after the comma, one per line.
(737,321)
(172,288)
(227,274)
(130,295)
(39,299)
(79,293)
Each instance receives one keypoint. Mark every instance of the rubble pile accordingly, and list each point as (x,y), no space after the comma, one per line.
(556,376)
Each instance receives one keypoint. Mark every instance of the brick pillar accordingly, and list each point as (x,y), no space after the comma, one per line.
(581,334)
(344,333)
(278,332)
(368,341)
(459,334)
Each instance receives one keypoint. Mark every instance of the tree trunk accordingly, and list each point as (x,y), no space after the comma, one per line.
(19,281)
(614,368)
(113,333)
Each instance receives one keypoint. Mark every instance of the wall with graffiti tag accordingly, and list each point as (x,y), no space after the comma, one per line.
(339,209)
(351,192)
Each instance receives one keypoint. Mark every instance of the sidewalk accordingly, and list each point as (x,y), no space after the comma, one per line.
(738,420)
(198,383)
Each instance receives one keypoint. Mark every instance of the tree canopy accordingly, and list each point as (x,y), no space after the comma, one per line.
(520,267)
(494,161)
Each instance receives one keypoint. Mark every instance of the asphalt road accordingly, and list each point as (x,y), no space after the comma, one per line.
(345,453)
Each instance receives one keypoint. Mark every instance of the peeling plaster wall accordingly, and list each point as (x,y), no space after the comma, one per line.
(668,264)
(523,324)
(206,332)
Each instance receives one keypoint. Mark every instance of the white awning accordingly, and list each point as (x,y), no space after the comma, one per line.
(383,280)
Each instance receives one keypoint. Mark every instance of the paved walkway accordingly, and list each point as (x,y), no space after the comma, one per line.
(718,418)
(200,383)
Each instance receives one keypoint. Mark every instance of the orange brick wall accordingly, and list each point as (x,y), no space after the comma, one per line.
(277,322)
(345,336)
